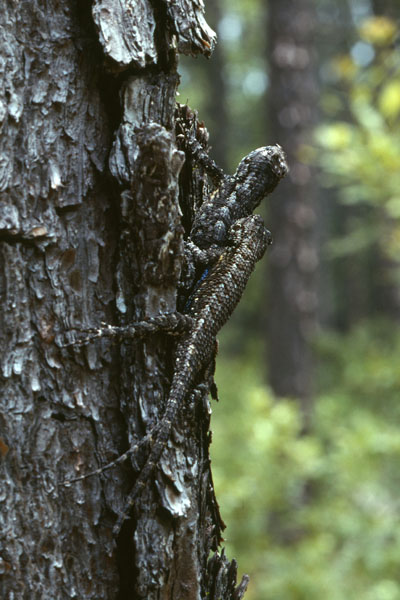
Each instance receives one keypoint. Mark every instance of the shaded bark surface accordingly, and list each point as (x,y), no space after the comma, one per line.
(90,231)
(293,260)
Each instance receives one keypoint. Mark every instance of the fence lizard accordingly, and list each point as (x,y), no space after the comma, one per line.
(210,307)
(223,245)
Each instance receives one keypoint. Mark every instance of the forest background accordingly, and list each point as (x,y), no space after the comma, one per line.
(311,492)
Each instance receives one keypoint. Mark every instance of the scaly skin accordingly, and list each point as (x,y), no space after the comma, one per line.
(211,306)
(238,195)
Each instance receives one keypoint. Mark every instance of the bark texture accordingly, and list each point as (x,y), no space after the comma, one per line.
(90,231)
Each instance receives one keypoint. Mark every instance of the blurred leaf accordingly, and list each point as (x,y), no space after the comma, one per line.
(389,99)
(393,207)
(378,30)
(360,157)
(366,114)
(314,515)
(355,241)
(344,66)
(334,137)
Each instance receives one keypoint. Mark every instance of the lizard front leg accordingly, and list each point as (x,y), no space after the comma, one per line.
(173,323)
(196,261)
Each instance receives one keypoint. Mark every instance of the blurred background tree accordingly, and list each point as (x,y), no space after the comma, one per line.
(310,492)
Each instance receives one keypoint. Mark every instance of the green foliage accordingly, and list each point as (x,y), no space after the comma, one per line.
(360,142)
(241,30)
(314,515)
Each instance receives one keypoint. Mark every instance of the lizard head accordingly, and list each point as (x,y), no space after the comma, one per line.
(266,160)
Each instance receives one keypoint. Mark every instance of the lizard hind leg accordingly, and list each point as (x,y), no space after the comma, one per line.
(159,444)
(134,448)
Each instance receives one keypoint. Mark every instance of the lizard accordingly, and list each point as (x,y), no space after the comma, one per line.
(214,224)
(211,305)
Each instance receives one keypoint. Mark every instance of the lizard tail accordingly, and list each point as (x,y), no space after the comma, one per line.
(178,391)
(145,474)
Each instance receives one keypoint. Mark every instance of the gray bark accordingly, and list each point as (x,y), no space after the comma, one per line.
(90,231)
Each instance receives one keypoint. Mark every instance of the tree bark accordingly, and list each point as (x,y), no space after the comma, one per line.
(293,259)
(90,231)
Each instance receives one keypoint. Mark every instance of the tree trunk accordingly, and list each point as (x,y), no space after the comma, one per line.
(387,8)
(217,111)
(293,260)
(90,231)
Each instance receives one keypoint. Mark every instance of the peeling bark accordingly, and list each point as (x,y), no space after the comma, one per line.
(90,231)
(126,31)
(55,200)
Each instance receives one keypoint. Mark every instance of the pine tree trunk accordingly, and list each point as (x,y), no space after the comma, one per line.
(292,217)
(90,231)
